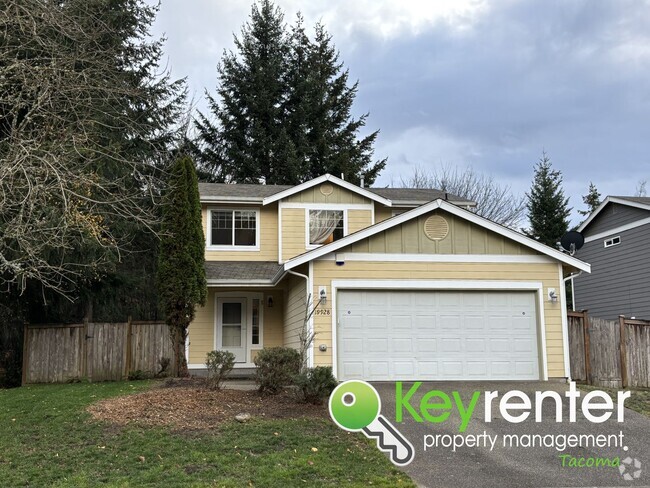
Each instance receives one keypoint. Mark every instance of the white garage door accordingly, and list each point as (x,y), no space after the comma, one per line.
(436,335)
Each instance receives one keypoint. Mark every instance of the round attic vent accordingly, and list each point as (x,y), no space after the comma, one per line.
(326,189)
(436,228)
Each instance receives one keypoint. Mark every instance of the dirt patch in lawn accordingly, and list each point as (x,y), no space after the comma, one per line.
(188,405)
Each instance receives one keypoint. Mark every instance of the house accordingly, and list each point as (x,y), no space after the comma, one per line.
(406,284)
(617,244)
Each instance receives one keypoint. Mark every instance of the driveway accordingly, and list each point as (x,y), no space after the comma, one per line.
(503,467)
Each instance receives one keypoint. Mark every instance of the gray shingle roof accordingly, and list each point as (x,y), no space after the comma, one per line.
(419,195)
(644,200)
(241,270)
(259,192)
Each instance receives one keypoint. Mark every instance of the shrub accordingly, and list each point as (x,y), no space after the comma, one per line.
(164,363)
(277,367)
(138,374)
(316,384)
(219,364)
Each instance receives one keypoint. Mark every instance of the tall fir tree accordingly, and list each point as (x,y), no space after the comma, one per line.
(282,114)
(181,275)
(591,200)
(548,209)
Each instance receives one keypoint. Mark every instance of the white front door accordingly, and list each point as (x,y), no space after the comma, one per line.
(231,326)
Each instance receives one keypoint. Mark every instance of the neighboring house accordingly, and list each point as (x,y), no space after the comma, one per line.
(408,284)
(617,245)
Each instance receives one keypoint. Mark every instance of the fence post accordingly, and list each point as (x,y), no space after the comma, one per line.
(623,351)
(25,353)
(587,343)
(84,351)
(129,351)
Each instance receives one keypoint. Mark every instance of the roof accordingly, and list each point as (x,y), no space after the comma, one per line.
(642,200)
(420,196)
(242,272)
(423,209)
(264,194)
(637,202)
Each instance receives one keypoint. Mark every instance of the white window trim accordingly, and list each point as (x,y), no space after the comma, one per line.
(233,247)
(433,285)
(341,208)
(249,296)
(607,243)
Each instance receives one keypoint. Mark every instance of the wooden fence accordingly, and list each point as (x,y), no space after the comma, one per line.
(609,353)
(56,353)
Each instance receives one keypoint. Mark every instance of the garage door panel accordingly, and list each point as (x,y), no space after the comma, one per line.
(384,335)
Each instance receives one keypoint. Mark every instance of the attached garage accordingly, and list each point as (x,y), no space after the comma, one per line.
(437,335)
(439,293)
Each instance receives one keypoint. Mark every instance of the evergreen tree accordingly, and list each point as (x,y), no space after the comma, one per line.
(548,209)
(246,145)
(181,275)
(283,110)
(591,199)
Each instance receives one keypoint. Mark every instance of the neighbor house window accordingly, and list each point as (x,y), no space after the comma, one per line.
(325,226)
(613,241)
(234,228)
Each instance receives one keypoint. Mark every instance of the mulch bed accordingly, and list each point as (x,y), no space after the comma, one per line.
(187,404)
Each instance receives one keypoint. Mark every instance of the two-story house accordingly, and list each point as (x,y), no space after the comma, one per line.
(617,244)
(406,284)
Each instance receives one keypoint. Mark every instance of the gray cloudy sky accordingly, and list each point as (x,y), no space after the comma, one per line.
(471,82)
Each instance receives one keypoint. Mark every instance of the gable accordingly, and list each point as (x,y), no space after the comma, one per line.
(463,237)
(412,215)
(614,215)
(327,192)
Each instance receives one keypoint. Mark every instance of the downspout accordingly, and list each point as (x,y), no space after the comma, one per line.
(573,290)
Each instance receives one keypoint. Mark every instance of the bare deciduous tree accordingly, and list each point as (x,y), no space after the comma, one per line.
(493,200)
(81,111)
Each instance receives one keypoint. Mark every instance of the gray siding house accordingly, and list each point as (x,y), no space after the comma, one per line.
(617,245)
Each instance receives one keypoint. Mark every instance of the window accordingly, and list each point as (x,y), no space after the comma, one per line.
(255,339)
(325,226)
(233,228)
(613,241)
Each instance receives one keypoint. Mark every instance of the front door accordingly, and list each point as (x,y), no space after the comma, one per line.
(231,326)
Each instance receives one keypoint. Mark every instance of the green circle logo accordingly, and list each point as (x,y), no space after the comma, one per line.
(354,405)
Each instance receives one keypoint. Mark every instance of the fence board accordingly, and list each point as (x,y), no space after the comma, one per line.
(577,358)
(637,343)
(55,353)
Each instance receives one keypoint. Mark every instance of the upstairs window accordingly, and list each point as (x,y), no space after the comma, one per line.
(236,228)
(613,241)
(325,226)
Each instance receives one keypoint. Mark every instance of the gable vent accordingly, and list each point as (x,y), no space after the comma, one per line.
(436,228)
(326,189)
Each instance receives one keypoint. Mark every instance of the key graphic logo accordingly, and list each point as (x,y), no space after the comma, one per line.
(355,406)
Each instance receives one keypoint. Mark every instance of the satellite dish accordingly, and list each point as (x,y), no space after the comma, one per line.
(572,241)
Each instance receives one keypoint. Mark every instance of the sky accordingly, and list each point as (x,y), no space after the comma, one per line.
(489,85)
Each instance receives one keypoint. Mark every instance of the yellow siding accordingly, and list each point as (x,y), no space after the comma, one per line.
(548,274)
(358,219)
(382,213)
(202,328)
(463,238)
(268,236)
(338,195)
(294,312)
(293,232)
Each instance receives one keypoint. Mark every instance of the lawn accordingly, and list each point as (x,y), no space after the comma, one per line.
(639,401)
(48,439)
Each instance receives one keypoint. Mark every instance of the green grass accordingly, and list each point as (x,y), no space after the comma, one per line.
(639,401)
(47,439)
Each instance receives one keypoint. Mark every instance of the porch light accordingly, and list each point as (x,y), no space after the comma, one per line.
(269,301)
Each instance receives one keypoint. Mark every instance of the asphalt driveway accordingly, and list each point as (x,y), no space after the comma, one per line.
(505,466)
